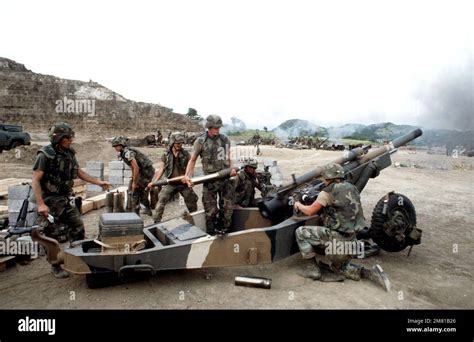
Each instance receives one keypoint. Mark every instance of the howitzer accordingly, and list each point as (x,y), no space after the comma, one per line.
(183,242)
(359,165)
(199,179)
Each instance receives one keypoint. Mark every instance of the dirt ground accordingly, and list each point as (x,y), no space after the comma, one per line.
(437,274)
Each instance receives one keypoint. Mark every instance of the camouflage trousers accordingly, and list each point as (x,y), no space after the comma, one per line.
(311,239)
(167,192)
(140,195)
(210,191)
(66,213)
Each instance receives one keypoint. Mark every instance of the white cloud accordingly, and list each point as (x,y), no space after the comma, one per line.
(262,61)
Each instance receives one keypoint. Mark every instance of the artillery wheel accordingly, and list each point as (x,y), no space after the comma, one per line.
(393,219)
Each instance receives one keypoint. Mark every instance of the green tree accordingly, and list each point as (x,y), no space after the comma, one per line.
(265,129)
(193,114)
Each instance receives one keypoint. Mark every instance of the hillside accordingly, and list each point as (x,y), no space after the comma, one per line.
(36,101)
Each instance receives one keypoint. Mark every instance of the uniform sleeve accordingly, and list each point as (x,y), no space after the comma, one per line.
(325,199)
(75,166)
(40,162)
(130,155)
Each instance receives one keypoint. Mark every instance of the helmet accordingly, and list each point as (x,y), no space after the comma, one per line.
(59,131)
(251,162)
(119,141)
(213,121)
(333,171)
(176,137)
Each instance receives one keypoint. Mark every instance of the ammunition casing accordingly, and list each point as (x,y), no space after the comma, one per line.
(263,283)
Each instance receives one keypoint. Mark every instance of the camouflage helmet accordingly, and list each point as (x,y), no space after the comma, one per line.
(58,131)
(176,137)
(251,162)
(213,121)
(332,171)
(119,141)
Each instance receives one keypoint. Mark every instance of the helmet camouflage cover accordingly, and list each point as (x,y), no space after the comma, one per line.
(119,141)
(251,162)
(213,121)
(58,131)
(333,171)
(177,137)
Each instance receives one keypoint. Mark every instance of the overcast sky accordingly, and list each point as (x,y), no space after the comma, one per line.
(329,62)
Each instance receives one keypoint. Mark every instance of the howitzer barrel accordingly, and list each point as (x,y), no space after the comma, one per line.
(351,160)
(357,154)
(197,180)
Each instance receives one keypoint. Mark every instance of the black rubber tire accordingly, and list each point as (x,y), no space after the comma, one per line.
(14,144)
(379,219)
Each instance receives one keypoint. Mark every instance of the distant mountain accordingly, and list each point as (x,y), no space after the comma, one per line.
(380,131)
(298,127)
(377,133)
(344,130)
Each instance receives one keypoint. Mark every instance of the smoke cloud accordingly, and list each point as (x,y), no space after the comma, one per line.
(448,101)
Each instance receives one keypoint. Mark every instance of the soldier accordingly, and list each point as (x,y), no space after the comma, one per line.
(142,172)
(256,141)
(54,172)
(245,183)
(343,218)
(159,137)
(214,150)
(173,164)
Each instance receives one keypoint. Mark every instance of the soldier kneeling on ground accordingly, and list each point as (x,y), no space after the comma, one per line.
(343,218)
(173,164)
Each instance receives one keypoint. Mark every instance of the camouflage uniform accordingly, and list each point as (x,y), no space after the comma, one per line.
(245,185)
(342,218)
(175,166)
(60,168)
(146,173)
(213,152)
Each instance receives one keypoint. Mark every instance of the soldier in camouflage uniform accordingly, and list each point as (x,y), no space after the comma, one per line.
(245,183)
(214,150)
(173,164)
(142,172)
(256,139)
(342,217)
(54,172)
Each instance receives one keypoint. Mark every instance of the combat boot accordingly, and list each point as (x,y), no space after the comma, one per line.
(351,271)
(147,211)
(59,272)
(312,270)
(377,275)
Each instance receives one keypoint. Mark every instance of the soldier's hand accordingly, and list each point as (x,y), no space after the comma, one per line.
(105,185)
(150,185)
(233,173)
(296,206)
(134,186)
(186,180)
(43,210)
